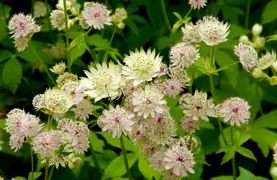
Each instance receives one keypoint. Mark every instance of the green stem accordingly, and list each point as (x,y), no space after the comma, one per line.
(188,12)
(67,38)
(248,6)
(190,140)
(3,11)
(233,159)
(125,158)
(93,155)
(32,161)
(51,172)
(48,21)
(32,8)
(226,67)
(165,16)
(114,31)
(46,170)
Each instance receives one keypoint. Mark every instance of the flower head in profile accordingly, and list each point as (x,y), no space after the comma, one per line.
(83,109)
(21,43)
(117,121)
(148,101)
(190,33)
(96,15)
(58,101)
(198,106)
(267,60)
(76,135)
(173,87)
(179,159)
(197,4)
(212,31)
(247,55)
(189,125)
(235,110)
(22,25)
(103,81)
(183,55)
(65,78)
(57,18)
(142,66)
(59,68)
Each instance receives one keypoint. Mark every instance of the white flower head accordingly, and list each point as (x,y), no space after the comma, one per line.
(117,121)
(139,132)
(96,15)
(197,4)
(57,18)
(179,159)
(83,109)
(189,125)
(212,31)
(59,68)
(156,160)
(57,101)
(38,102)
(148,101)
(173,87)
(21,25)
(83,23)
(235,110)
(142,66)
(103,81)
(267,60)
(76,135)
(190,33)
(198,106)
(247,55)
(183,55)
(65,78)
(21,43)
(181,75)
(40,9)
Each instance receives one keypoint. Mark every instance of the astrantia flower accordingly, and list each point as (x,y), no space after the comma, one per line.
(172,87)
(103,81)
(180,160)
(21,43)
(198,106)
(38,102)
(138,132)
(21,125)
(190,33)
(40,9)
(183,55)
(57,18)
(267,60)
(197,4)
(181,75)
(247,55)
(163,70)
(59,68)
(76,135)
(83,109)
(65,78)
(22,25)
(83,23)
(57,101)
(235,110)
(189,125)
(96,15)
(116,120)
(212,31)
(119,16)
(156,160)
(57,51)
(148,101)
(148,148)
(47,143)
(142,66)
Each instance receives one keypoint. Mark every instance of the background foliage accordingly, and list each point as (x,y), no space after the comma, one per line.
(24,74)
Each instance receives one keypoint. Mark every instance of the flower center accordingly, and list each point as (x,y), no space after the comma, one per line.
(21,25)
(148,101)
(138,132)
(160,118)
(198,107)
(180,159)
(182,54)
(235,110)
(96,14)
(117,120)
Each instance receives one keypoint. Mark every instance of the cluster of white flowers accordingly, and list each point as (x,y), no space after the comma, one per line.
(22,27)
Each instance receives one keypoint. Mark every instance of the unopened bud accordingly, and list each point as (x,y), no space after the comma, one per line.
(121,25)
(273,172)
(274,65)
(244,39)
(257,29)
(258,73)
(273,80)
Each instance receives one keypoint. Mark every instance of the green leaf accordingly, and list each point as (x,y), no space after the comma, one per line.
(77,51)
(137,18)
(3,29)
(7,10)
(98,41)
(272,38)
(163,42)
(178,15)
(133,27)
(245,174)
(246,152)
(269,13)
(222,178)
(243,136)
(5,54)
(19,178)
(237,31)
(229,154)
(146,170)
(201,161)
(35,175)
(2,123)
(268,120)
(116,168)
(96,143)
(12,74)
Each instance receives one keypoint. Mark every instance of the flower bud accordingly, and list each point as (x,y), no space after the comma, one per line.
(274,65)
(273,80)
(121,25)
(258,73)
(257,29)
(259,42)
(244,39)
(273,172)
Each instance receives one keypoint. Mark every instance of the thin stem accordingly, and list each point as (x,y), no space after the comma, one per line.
(32,161)
(46,170)
(165,16)
(114,31)
(190,140)
(48,21)
(93,155)
(226,67)
(189,12)
(3,11)
(92,54)
(51,172)
(67,39)
(32,7)
(125,158)
(233,159)
(248,6)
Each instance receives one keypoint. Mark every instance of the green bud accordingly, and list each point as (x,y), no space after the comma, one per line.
(273,80)
(244,39)
(121,25)
(258,73)
(259,42)
(257,29)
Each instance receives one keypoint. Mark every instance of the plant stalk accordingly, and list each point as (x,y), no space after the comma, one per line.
(46,170)
(3,11)
(32,8)
(248,6)
(125,158)
(233,159)
(165,16)
(190,141)
(93,155)
(114,31)
(48,21)
(32,161)
(67,38)
(51,172)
